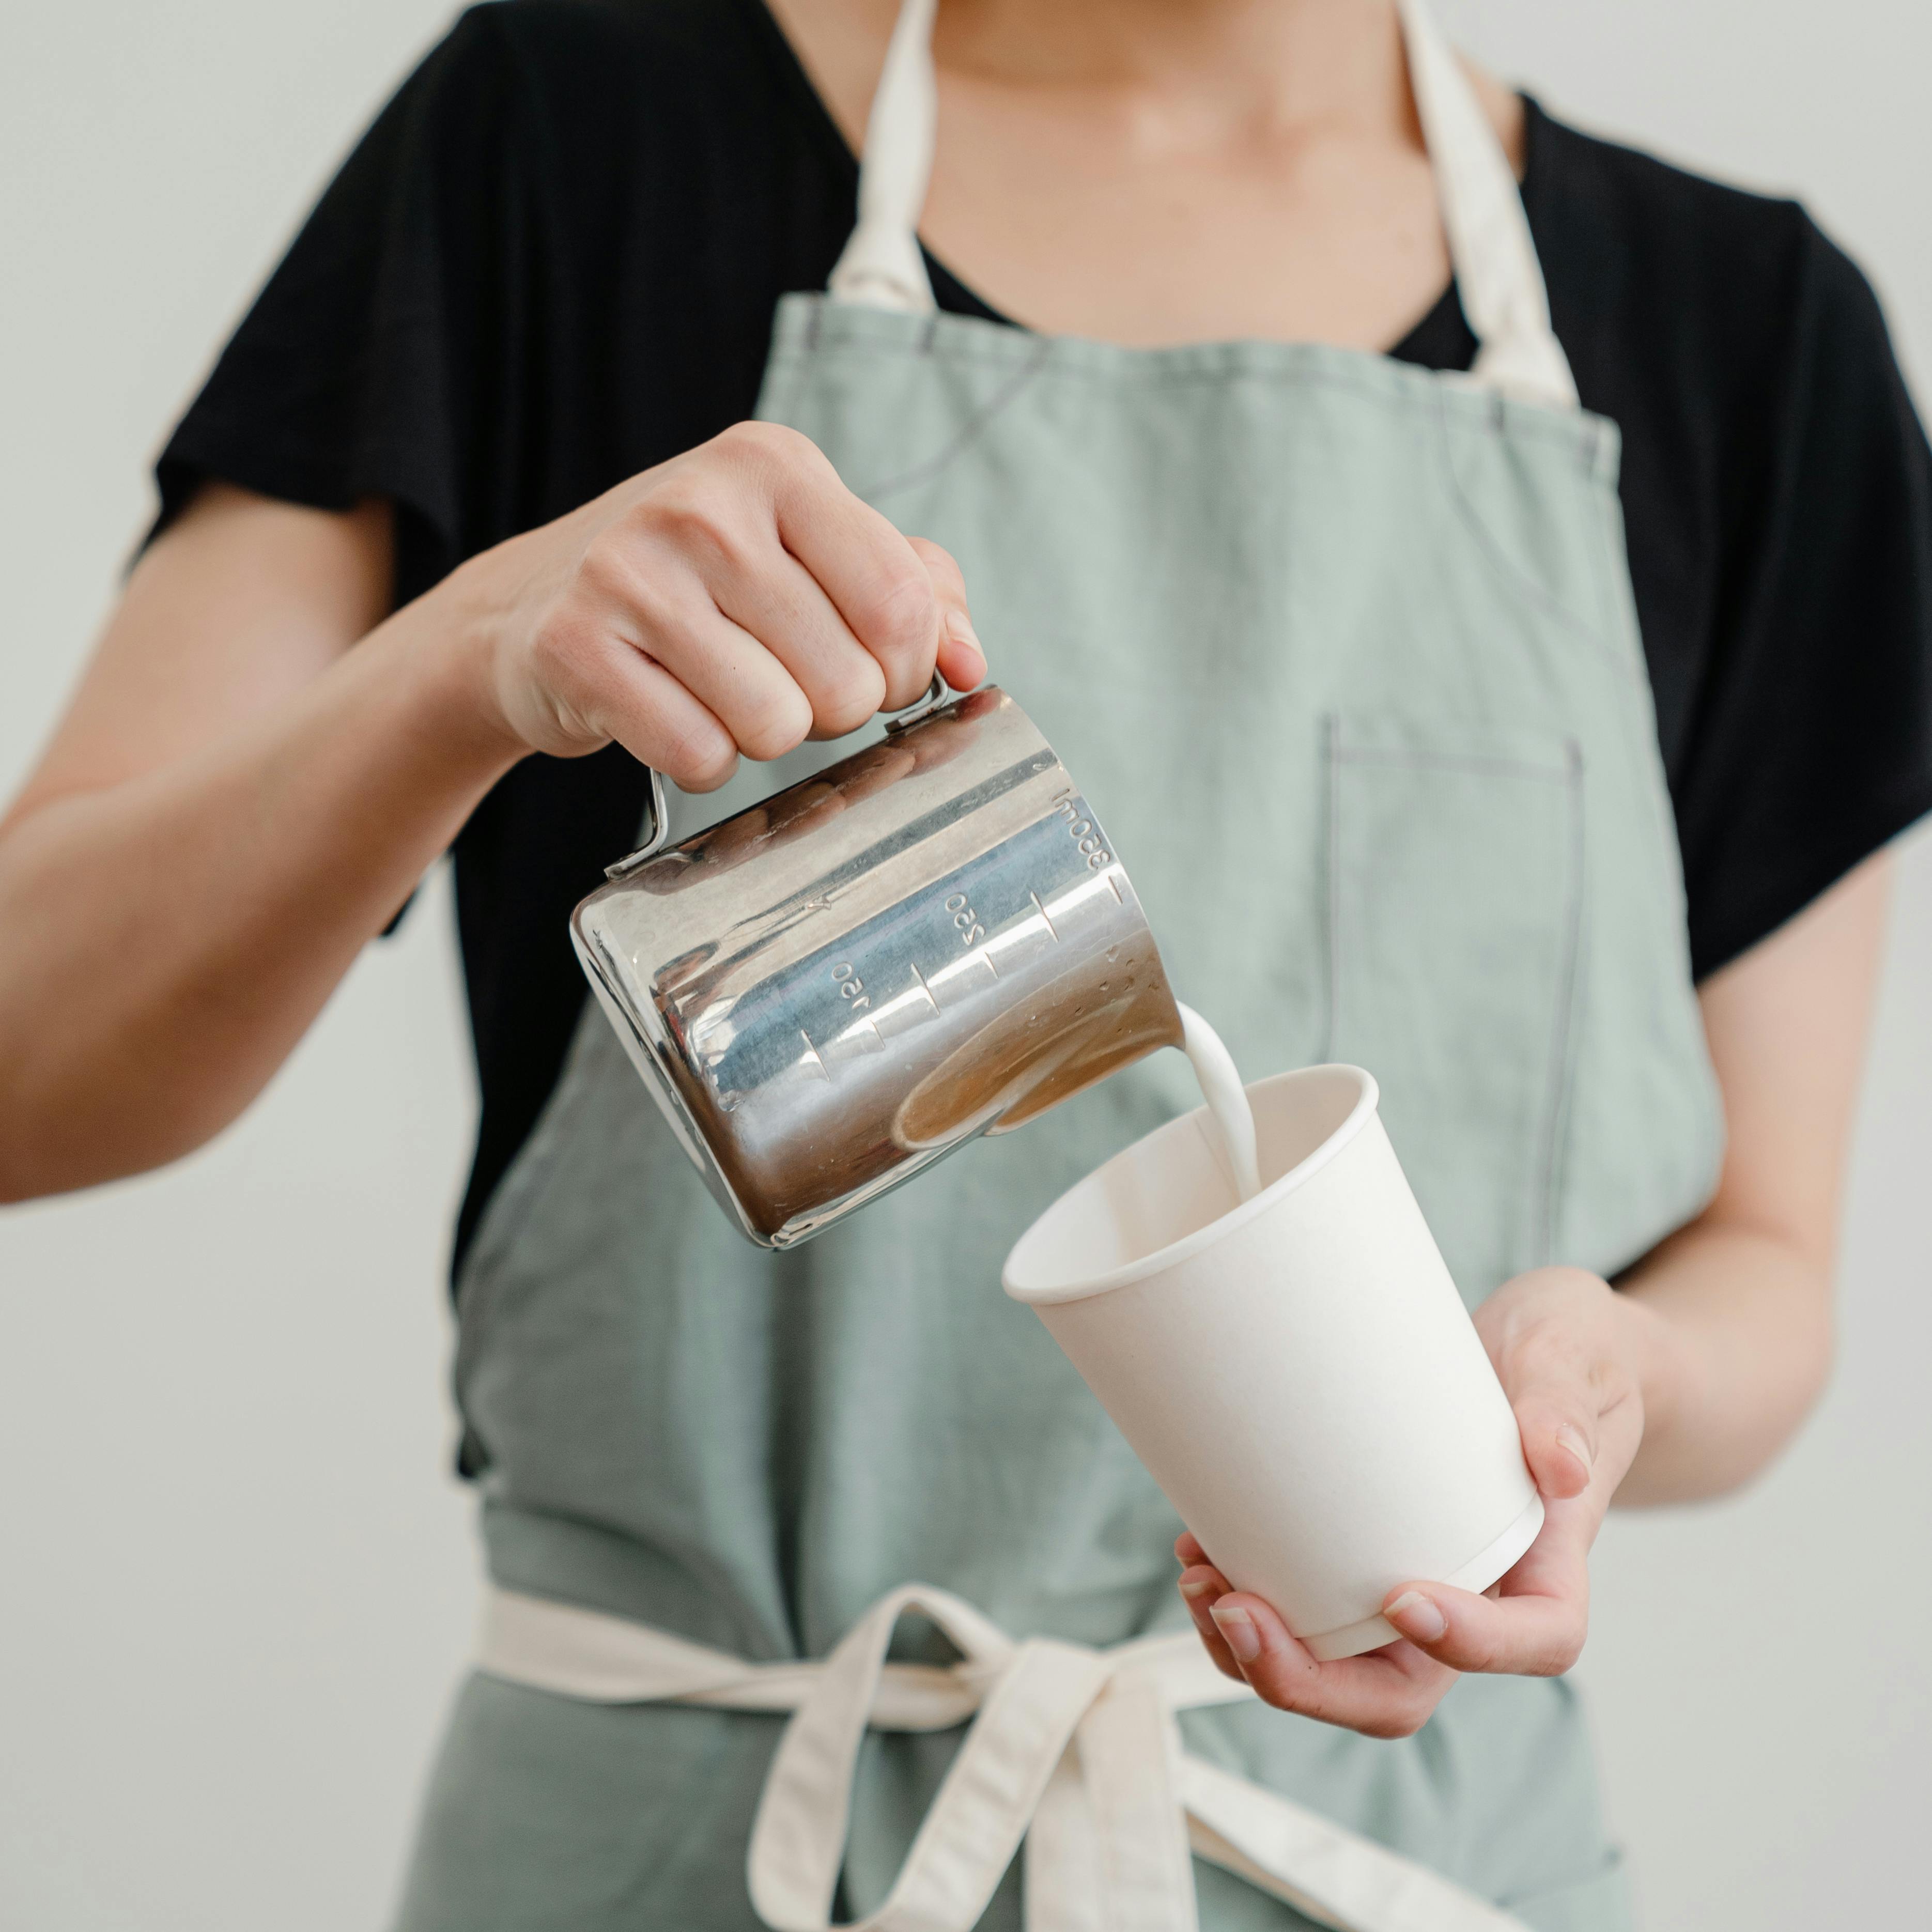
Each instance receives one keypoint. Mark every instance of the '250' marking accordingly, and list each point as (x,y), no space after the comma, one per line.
(965,920)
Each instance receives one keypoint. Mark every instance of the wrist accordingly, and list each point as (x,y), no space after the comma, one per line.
(1654,1357)
(443,655)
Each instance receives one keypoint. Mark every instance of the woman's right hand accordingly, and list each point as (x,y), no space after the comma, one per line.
(737,599)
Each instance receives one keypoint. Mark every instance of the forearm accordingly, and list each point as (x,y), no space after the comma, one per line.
(1731,1328)
(164,941)
(1731,1318)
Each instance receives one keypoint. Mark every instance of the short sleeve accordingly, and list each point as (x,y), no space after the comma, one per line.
(380,359)
(1811,739)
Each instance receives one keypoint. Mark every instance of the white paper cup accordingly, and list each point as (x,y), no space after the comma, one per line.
(1297,1371)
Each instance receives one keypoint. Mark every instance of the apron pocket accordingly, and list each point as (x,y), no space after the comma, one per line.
(1455,898)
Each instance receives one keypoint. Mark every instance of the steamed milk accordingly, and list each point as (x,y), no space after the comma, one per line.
(1227,1105)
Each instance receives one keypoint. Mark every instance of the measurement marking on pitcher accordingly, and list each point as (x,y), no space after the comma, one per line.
(923,987)
(1114,886)
(811,1056)
(1086,835)
(850,986)
(1045,914)
(965,920)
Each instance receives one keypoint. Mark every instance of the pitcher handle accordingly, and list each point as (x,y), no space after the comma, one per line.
(654,840)
(937,692)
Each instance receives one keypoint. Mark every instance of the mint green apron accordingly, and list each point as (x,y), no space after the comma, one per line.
(1345,651)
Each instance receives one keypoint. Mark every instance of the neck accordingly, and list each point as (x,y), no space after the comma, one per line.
(1272,67)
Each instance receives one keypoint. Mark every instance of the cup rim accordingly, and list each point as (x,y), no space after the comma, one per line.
(1366,1100)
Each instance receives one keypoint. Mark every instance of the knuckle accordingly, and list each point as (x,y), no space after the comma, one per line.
(618,598)
(571,677)
(851,698)
(697,520)
(941,564)
(562,650)
(1470,1651)
(606,571)
(752,436)
(1273,1689)
(772,720)
(768,446)
(1564,1649)
(1546,1348)
(899,613)
(1403,1721)
(1281,1684)
(698,756)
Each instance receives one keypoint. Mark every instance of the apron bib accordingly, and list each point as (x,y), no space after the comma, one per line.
(1344,652)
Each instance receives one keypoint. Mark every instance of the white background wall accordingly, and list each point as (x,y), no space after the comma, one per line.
(235,1576)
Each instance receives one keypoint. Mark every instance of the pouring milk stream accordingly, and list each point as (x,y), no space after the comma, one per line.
(1227,1101)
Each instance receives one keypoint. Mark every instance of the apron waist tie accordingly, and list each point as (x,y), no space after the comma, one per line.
(1073,1749)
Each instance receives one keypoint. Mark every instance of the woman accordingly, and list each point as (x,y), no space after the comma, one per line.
(1247,423)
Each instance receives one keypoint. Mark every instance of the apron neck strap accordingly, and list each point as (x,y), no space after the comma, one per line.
(882,267)
(1497,277)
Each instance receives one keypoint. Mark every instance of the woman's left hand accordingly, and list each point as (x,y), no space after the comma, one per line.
(1565,1346)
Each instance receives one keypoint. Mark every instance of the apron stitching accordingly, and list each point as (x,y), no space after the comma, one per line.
(1334,892)
(1525,586)
(1370,373)
(1413,758)
(1609,1873)
(1543,1240)
(1638,727)
(516,1195)
(1667,887)
(1646,753)
(968,433)
(1613,555)
(1383,380)
(1540,1234)
(785,380)
(515,1200)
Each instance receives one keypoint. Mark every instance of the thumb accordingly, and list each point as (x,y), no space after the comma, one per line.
(1558,1418)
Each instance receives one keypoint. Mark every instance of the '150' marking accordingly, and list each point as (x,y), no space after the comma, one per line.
(851,987)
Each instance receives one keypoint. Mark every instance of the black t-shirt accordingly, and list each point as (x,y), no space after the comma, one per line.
(552,261)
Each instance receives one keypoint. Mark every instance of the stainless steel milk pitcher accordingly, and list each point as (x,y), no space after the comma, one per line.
(932,939)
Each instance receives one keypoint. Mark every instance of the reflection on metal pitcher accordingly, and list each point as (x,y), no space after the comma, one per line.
(930,939)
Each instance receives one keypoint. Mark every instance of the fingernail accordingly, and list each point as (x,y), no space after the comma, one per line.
(1417,1616)
(1196,1589)
(1571,1438)
(959,628)
(1238,1630)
